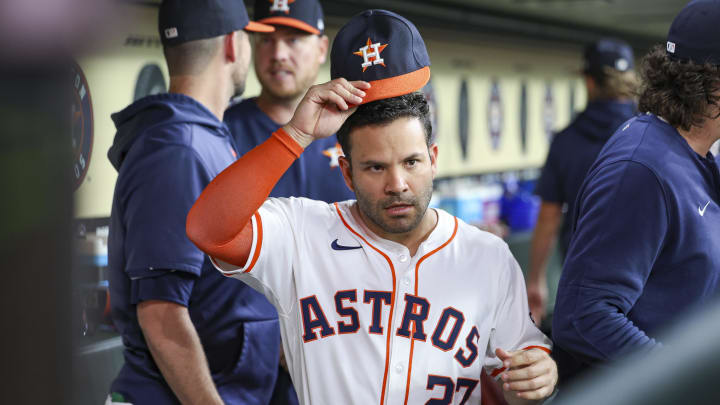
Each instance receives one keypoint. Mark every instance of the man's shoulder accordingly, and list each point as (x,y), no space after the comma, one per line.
(570,135)
(242,104)
(302,207)
(244,110)
(644,140)
(248,124)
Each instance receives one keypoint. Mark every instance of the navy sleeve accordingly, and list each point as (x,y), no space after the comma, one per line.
(550,184)
(173,286)
(163,188)
(621,222)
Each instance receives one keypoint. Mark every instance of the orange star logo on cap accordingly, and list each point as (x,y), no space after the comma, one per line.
(281,5)
(334,154)
(371,54)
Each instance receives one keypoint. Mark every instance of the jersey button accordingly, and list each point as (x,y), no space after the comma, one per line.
(406,281)
(403,258)
(399,368)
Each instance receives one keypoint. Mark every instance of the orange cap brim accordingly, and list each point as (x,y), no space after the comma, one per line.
(291,22)
(397,86)
(253,26)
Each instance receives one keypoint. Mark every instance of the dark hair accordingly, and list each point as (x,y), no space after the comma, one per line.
(678,91)
(383,112)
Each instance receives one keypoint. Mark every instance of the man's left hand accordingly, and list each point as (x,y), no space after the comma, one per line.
(530,374)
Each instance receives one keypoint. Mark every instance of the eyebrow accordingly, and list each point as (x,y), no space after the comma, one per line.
(416,156)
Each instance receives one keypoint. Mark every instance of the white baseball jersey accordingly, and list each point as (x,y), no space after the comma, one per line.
(363,322)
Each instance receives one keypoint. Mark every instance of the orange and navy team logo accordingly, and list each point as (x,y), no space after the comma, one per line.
(82,125)
(371,54)
(334,154)
(280,6)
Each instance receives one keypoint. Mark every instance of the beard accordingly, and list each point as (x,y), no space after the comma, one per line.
(238,85)
(376,212)
(239,77)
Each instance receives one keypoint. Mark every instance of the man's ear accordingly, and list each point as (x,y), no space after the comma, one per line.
(346,171)
(229,46)
(590,85)
(323,43)
(433,152)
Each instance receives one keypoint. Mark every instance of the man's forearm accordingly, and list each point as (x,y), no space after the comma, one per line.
(217,221)
(543,240)
(176,349)
(593,329)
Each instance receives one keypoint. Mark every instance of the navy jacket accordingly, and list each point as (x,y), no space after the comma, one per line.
(167,148)
(315,174)
(645,246)
(573,151)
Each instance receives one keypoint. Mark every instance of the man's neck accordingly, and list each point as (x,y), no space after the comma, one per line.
(211,94)
(411,239)
(701,138)
(280,110)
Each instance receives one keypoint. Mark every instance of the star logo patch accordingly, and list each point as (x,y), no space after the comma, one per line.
(371,54)
(281,5)
(334,154)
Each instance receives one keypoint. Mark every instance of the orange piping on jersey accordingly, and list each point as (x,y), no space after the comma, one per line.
(497,371)
(417,268)
(543,348)
(500,370)
(258,245)
(392,302)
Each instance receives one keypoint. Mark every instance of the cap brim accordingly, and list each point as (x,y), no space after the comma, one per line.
(397,86)
(253,26)
(291,22)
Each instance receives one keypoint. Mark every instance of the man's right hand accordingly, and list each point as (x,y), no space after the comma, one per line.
(324,109)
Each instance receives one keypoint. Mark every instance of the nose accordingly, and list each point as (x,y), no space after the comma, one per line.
(280,51)
(395,182)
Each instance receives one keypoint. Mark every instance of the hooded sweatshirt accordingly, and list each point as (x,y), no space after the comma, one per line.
(574,150)
(168,147)
(644,250)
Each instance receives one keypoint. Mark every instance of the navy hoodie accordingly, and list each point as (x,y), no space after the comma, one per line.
(574,150)
(168,147)
(645,246)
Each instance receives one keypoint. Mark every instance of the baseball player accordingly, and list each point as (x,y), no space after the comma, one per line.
(381,300)
(644,249)
(287,62)
(190,337)
(611,84)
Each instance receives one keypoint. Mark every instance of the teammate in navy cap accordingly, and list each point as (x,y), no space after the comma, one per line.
(183,344)
(644,250)
(382,300)
(287,62)
(611,83)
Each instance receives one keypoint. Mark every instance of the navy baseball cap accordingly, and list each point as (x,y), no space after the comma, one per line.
(607,52)
(305,15)
(695,33)
(180,21)
(382,48)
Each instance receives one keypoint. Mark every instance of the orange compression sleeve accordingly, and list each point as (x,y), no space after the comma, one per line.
(219,221)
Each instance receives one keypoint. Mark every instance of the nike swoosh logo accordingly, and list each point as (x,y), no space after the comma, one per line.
(337,246)
(702,211)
